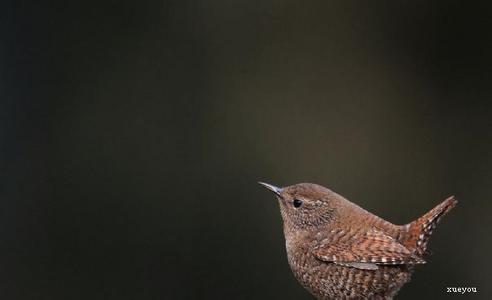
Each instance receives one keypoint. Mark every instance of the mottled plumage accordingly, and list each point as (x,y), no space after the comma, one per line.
(337,250)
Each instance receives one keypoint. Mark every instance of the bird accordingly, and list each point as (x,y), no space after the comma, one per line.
(338,250)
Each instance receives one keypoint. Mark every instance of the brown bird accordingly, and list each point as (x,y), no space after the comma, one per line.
(337,249)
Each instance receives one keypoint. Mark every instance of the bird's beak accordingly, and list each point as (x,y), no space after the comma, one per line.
(272,188)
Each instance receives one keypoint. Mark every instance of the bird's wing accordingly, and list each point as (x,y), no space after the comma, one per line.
(366,251)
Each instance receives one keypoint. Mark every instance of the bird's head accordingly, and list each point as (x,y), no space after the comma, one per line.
(304,205)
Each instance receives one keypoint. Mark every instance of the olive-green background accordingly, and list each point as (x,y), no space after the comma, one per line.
(132,135)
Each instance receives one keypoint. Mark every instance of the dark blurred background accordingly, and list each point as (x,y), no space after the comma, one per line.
(133,135)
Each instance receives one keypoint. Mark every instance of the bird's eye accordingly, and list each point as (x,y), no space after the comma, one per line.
(297,202)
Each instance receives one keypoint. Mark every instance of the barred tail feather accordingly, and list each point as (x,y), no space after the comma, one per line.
(417,233)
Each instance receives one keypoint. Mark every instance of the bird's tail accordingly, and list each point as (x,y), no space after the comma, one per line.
(417,233)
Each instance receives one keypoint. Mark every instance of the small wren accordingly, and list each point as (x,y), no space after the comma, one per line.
(338,250)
